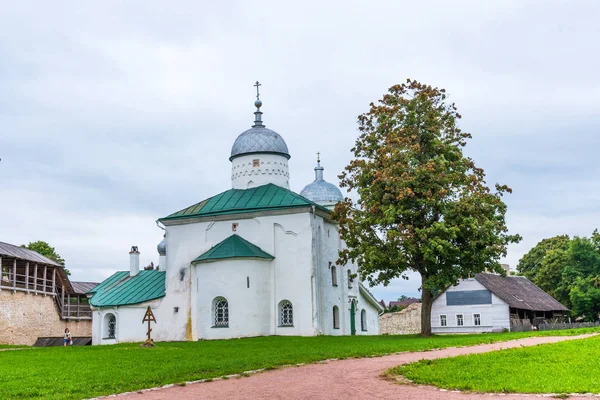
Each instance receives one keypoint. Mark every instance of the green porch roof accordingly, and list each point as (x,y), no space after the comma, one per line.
(120,289)
(233,247)
(235,201)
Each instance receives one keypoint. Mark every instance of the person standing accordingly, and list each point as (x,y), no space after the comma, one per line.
(67,339)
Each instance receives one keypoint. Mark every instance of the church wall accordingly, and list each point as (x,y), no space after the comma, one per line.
(341,295)
(372,317)
(25,317)
(271,168)
(287,237)
(246,284)
(293,273)
(129,325)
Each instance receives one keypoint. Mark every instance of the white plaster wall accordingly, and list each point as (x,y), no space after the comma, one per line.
(129,327)
(273,169)
(494,317)
(249,311)
(287,237)
(328,244)
(372,314)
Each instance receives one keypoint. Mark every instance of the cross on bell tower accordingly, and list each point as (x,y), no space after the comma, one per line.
(257,114)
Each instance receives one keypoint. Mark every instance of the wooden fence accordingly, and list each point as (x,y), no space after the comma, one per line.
(574,325)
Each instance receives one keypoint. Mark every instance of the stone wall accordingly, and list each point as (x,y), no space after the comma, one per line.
(25,317)
(407,321)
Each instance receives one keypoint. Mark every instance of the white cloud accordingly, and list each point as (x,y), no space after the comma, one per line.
(114,115)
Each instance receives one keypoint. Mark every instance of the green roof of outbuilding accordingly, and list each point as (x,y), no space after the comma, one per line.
(121,289)
(233,247)
(235,201)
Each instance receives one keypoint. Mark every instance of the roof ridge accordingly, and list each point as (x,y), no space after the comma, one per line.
(263,197)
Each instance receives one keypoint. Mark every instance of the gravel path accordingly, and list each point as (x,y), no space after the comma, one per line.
(342,379)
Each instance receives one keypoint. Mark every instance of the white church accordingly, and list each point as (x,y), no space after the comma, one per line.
(255,260)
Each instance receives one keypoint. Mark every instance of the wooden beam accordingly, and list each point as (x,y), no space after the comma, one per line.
(78,307)
(54,281)
(27,276)
(62,302)
(14,274)
(68,306)
(45,274)
(35,282)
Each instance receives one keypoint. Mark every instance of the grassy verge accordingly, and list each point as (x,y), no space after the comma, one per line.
(82,372)
(11,346)
(567,367)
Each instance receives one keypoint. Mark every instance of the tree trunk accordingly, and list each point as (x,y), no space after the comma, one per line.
(426,303)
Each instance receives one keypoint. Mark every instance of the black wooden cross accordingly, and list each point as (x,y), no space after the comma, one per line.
(149,317)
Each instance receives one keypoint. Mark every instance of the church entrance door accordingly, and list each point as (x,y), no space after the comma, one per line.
(352,319)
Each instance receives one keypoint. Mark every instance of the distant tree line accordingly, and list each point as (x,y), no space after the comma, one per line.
(569,270)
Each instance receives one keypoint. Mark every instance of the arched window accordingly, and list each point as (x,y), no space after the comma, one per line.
(336,318)
(333,276)
(286,314)
(110,326)
(221,312)
(349,279)
(363,320)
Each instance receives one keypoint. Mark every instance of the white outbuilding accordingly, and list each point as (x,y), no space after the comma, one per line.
(492,303)
(257,259)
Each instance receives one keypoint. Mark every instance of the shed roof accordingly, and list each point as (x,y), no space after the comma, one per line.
(83,287)
(10,250)
(121,289)
(519,292)
(235,201)
(233,247)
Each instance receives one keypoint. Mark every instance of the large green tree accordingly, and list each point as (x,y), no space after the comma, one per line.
(544,265)
(423,205)
(45,249)
(531,263)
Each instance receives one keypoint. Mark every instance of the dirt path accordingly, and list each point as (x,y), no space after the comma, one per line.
(344,379)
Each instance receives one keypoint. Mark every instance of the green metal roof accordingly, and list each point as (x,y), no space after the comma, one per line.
(233,247)
(121,289)
(235,201)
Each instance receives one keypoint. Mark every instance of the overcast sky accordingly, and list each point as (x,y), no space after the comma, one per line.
(116,113)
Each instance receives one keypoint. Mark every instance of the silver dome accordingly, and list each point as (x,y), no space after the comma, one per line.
(320,191)
(162,247)
(259,139)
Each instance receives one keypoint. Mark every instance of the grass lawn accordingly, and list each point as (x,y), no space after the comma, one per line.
(567,367)
(81,372)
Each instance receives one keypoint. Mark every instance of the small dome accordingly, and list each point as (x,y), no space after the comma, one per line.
(320,191)
(162,247)
(259,139)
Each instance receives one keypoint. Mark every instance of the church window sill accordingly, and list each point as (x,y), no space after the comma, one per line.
(285,326)
(220,326)
(335,285)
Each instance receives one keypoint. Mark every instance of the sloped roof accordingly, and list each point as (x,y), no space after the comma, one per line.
(233,247)
(10,250)
(83,287)
(235,201)
(369,296)
(404,303)
(121,289)
(519,292)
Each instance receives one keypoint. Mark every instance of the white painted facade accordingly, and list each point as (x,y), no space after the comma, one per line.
(254,170)
(493,317)
(305,245)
